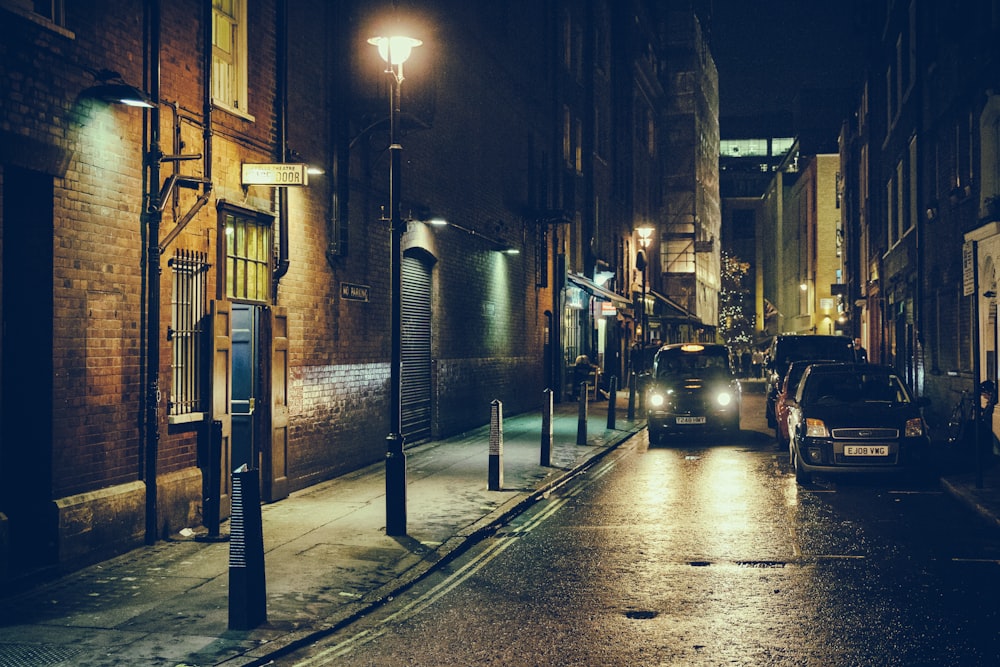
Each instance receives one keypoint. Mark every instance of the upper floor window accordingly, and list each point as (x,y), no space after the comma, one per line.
(50,13)
(229,55)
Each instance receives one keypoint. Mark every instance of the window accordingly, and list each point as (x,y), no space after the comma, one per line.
(229,55)
(187,315)
(247,248)
(50,13)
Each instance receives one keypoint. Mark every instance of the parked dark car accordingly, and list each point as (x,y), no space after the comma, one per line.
(786,348)
(692,388)
(854,418)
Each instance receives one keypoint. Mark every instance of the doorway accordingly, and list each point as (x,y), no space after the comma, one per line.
(27,369)
(245,387)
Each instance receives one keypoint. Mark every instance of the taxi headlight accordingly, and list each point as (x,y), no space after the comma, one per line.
(656,400)
(815,428)
(724,398)
(914,427)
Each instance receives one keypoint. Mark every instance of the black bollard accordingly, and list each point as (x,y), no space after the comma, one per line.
(631,396)
(210,509)
(581,424)
(247,585)
(546,457)
(496,446)
(612,400)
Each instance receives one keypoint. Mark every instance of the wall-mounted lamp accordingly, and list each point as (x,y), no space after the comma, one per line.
(644,235)
(438,221)
(803,287)
(311,168)
(112,88)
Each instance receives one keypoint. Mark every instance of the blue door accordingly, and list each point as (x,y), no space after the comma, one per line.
(244,342)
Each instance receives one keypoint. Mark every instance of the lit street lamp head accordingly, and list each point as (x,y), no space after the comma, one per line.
(395,50)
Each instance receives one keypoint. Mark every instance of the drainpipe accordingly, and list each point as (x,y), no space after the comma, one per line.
(152,217)
(282,85)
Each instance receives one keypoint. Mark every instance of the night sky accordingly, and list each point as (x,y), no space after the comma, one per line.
(767,50)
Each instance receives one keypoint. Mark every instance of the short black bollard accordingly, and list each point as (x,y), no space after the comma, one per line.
(546,457)
(496,446)
(612,400)
(581,424)
(247,584)
(631,396)
(210,509)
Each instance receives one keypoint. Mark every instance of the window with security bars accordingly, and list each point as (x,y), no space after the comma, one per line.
(247,246)
(185,334)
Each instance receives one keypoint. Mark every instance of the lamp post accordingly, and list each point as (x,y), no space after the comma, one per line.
(640,263)
(395,51)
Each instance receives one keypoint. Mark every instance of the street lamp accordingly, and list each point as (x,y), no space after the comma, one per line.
(640,263)
(395,51)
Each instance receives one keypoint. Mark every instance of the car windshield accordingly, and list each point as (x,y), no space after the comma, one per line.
(855,387)
(679,363)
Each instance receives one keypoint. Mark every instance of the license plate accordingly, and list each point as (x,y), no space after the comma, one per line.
(690,420)
(866,450)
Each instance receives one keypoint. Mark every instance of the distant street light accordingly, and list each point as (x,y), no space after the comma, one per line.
(395,51)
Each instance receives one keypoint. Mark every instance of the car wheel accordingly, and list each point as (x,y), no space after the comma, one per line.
(802,476)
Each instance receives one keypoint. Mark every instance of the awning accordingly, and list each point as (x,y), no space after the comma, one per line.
(597,291)
(673,309)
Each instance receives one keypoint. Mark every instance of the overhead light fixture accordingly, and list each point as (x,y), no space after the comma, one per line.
(113,89)
(123,93)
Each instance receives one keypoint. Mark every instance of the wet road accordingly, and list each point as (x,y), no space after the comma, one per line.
(705,553)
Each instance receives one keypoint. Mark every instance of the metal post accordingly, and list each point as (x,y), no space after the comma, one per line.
(496,446)
(631,396)
(612,400)
(247,583)
(546,456)
(581,424)
(395,459)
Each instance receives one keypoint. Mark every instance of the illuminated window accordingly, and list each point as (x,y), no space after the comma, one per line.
(247,248)
(229,55)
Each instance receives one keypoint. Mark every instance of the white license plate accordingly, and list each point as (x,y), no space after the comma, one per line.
(866,450)
(690,420)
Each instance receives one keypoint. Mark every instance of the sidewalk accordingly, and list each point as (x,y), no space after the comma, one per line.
(327,558)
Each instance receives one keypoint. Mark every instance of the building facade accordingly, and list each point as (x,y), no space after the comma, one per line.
(183,294)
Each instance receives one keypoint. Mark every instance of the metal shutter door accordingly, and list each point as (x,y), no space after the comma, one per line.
(416,350)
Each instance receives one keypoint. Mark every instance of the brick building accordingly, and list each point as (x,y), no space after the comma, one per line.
(172,310)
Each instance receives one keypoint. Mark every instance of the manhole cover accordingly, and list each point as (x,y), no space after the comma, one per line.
(641,614)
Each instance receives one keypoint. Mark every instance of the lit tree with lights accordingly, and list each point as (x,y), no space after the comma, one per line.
(736,309)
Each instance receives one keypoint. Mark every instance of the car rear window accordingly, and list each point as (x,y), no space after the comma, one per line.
(814,347)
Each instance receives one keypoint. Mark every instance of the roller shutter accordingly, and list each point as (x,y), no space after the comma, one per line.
(416,350)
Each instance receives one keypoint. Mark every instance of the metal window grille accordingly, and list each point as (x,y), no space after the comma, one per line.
(187,316)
